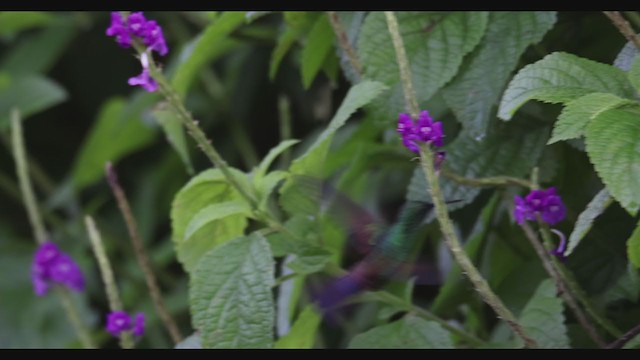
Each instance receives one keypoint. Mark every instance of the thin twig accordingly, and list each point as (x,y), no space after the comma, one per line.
(141,255)
(110,286)
(625,338)
(446,225)
(561,285)
(623,26)
(343,41)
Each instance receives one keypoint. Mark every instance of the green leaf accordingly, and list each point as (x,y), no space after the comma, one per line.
(596,206)
(191,342)
(297,23)
(410,332)
(37,53)
(506,150)
(216,212)
(119,120)
(611,139)
(316,49)
(230,295)
(174,133)
(212,43)
(303,331)
(309,259)
(634,74)
(633,247)
(311,162)
(626,287)
(207,188)
(578,113)
(475,90)
(559,78)
(272,155)
(543,318)
(266,185)
(31,94)
(15,21)
(435,45)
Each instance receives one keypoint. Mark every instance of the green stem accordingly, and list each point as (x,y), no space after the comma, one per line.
(343,41)
(26,187)
(126,339)
(426,160)
(284,112)
(561,285)
(141,255)
(623,26)
(488,181)
(193,129)
(74,317)
(391,299)
(40,233)
(573,285)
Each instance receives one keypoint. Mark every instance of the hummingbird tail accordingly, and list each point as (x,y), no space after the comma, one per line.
(341,289)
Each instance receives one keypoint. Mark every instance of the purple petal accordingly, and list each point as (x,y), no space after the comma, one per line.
(553,210)
(117,322)
(144,80)
(520,209)
(562,247)
(405,124)
(137,23)
(66,271)
(138,328)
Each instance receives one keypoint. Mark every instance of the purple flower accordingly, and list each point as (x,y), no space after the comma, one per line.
(137,24)
(53,266)
(424,130)
(144,80)
(138,328)
(546,203)
(117,322)
(562,247)
(119,29)
(154,38)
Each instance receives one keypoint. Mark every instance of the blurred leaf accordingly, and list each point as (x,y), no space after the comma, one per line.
(266,185)
(29,93)
(191,342)
(633,343)
(212,43)
(627,287)
(119,120)
(543,318)
(611,139)
(634,74)
(577,114)
(559,78)
(303,331)
(174,132)
(208,188)
(15,21)
(316,49)
(311,162)
(262,169)
(633,247)
(410,332)
(506,150)
(309,259)
(596,206)
(230,295)
(39,52)
(215,212)
(285,41)
(435,45)
(475,90)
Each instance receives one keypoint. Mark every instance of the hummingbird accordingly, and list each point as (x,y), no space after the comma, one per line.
(388,250)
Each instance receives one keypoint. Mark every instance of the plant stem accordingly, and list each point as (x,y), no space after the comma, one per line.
(426,159)
(126,339)
(26,187)
(623,26)
(392,299)
(573,285)
(284,119)
(625,338)
(343,41)
(141,255)
(561,285)
(37,226)
(488,181)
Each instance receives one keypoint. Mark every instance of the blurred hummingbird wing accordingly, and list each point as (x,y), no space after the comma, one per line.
(362,226)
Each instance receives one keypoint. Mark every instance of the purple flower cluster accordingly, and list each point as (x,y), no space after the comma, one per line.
(136,25)
(53,266)
(423,130)
(544,202)
(119,321)
(151,35)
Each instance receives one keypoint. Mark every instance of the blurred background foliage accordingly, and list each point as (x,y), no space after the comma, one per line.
(70,81)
